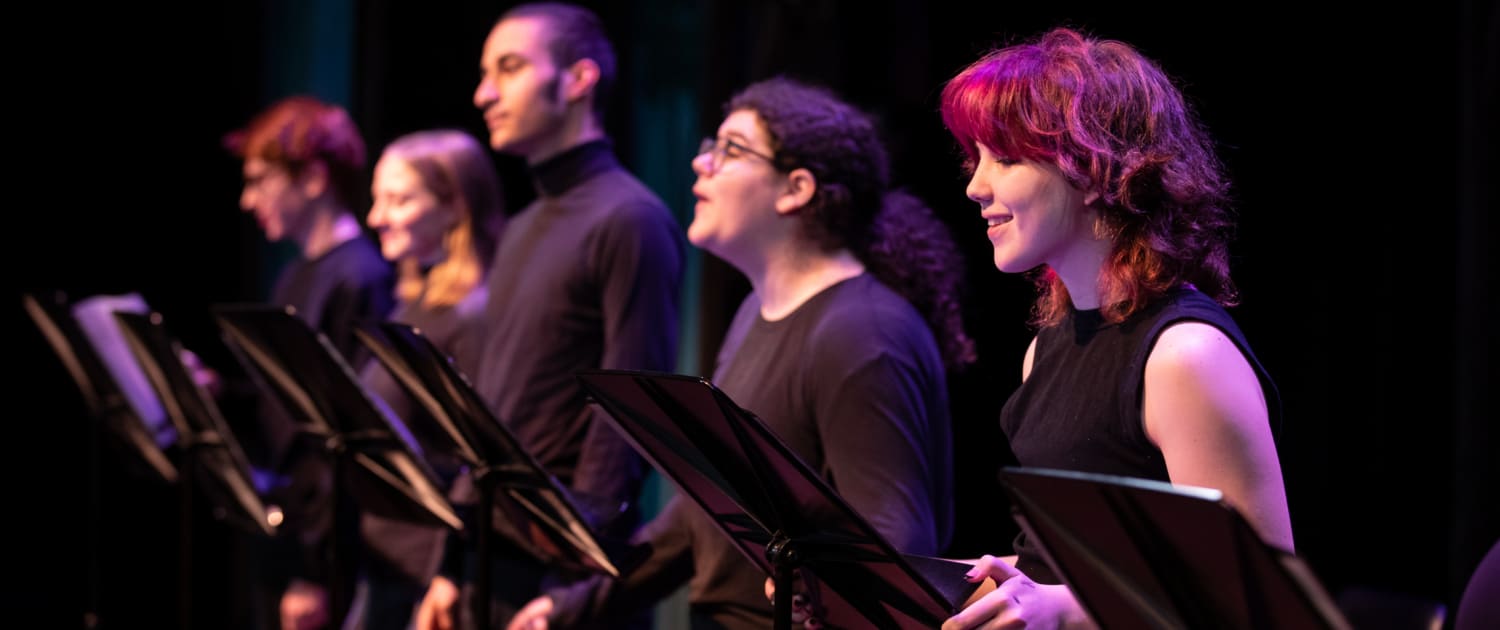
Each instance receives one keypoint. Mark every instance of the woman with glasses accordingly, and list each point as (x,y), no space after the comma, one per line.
(841,346)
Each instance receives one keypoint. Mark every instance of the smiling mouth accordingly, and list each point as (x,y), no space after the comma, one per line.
(994,221)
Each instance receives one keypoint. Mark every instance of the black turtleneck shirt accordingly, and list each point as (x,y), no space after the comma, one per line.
(586,276)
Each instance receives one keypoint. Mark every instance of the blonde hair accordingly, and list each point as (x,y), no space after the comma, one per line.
(457,170)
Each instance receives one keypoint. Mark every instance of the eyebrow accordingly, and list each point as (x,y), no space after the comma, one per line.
(501,59)
(739,138)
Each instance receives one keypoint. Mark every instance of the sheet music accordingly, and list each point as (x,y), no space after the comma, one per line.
(95,316)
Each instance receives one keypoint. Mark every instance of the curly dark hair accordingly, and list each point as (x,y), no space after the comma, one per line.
(1113,123)
(895,235)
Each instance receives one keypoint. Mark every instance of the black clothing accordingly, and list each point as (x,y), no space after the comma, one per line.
(335,293)
(853,382)
(400,558)
(1080,408)
(586,276)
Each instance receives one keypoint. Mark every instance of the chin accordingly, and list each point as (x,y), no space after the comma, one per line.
(498,140)
(1007,265)
(696,235)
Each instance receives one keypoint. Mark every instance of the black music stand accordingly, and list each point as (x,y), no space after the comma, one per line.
(1147,554)
(211,460)
(302,371)
(775,508)
(212,455)
(102,393)
(113,412)
(542,517)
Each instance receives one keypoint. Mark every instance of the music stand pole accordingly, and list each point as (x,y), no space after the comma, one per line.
(93,513)
(784,557)
(487,480)
(185,532)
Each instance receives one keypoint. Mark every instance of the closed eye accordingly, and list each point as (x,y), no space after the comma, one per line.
(735,150)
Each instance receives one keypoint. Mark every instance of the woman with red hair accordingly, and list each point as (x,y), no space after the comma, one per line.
(1092,172)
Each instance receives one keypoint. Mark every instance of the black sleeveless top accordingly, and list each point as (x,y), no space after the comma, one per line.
(1080,408)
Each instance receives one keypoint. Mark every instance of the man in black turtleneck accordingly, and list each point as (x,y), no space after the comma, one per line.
(586,276)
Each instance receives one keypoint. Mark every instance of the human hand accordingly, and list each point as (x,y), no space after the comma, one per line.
(532,616)
(810,616)
(304,606)
(1017,602)
(436,609)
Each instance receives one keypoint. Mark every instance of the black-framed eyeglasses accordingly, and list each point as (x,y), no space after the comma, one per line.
(719,150)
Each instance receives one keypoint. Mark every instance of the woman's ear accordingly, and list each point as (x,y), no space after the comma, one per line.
(800,186)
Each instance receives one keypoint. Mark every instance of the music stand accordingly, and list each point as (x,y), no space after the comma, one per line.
(303,372)
(544,519)
(211,459)
(102,393)
(207,444)
(1147,554)
(113,412)
(778,511)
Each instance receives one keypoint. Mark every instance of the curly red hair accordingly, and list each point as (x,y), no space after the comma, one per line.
(1114,124)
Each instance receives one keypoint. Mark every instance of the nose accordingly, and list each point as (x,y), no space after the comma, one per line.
(376,217)
(484,94)
(978,189)
(703,164)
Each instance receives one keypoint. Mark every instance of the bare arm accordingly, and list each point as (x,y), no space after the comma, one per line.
(1205,410)
(1026,362)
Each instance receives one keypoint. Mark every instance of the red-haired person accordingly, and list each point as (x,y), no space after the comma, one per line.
(303,167)
(1091,171)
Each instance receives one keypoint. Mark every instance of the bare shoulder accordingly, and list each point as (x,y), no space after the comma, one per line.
(1195,347)
(1196,375)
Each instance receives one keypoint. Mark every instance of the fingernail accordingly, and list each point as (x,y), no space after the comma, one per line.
(972,573)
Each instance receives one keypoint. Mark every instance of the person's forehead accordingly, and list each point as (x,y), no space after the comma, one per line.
(743,123)
(255,165)
(391,166)
(526,37)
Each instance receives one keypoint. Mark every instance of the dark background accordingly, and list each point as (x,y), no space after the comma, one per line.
(1361,143)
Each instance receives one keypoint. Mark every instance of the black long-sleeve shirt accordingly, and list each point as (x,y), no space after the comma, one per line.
(853,382)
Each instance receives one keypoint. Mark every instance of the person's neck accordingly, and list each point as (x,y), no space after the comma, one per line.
(785,282)
(330,228)
(575,130)
(1081,273)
